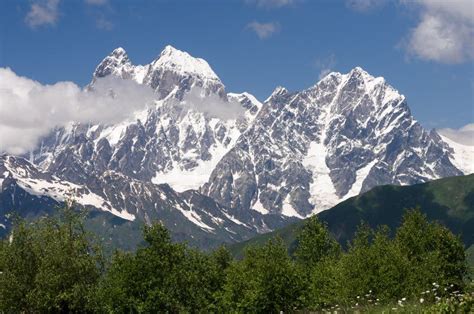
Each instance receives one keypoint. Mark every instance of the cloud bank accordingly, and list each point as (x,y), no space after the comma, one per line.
(263,30)
(29,109)
(464,135)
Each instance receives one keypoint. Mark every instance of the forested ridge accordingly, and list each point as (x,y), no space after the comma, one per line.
(53,264)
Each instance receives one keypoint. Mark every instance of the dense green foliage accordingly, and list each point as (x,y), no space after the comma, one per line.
(52,265)
(448,200)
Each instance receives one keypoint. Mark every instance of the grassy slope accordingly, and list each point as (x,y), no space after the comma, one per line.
(448,200)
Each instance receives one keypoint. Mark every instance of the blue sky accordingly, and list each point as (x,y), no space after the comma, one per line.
(256,45)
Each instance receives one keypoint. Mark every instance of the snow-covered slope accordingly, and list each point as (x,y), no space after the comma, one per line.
(42,184)
(307,151)
(172,142)
(463,155)
(129,203)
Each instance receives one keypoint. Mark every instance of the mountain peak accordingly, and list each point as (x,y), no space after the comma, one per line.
(119,51)
(277,92)
(113,63)
(118,55)
(182,62)
(359,72)
(168,50)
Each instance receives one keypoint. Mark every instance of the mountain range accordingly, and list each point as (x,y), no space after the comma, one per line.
(217,167)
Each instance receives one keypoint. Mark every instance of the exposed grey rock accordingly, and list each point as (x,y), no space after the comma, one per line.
(296,154)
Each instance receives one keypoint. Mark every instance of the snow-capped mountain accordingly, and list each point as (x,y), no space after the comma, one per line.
(307,151)
(462,156)
(171,74)
(189,215)
(173,142)
(216,166)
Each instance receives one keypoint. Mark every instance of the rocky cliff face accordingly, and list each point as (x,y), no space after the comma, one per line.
(123,204)
(308,150)
(174,141)
(216,166)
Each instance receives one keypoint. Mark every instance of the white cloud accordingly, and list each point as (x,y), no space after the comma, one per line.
(364,5)
(45,12)
(445,32)
(464,135)
(104,23)
(271,3)
(29,109)
(198,100)
(263,30)
(97,2)
(325,65)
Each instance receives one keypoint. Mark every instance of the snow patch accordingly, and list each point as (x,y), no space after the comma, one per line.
(181,179)
(288,209)
(322,191)
(192,216)
(361,174)
(258,206)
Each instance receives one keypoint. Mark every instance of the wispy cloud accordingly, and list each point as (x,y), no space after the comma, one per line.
(464,135)
(102,10)
(365,5)
(103,23)
(29,110)
(45,12)
(211,104)
(264,30)
(97,2)
(325,65)
(271,3)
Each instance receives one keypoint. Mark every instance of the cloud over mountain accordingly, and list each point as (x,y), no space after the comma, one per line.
(464,135)
(29,109)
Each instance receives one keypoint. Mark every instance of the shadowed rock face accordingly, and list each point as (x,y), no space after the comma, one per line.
(296,154)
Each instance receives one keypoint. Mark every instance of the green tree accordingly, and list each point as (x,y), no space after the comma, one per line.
(50,265)
(18,267)
(317,255)
(265,281)
(435,253)
(325,284)
(373,268)
(315,243)
(160,277)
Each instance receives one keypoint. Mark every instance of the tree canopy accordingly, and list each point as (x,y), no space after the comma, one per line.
(54,265)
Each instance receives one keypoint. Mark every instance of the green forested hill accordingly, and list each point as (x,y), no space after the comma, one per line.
(449,201)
